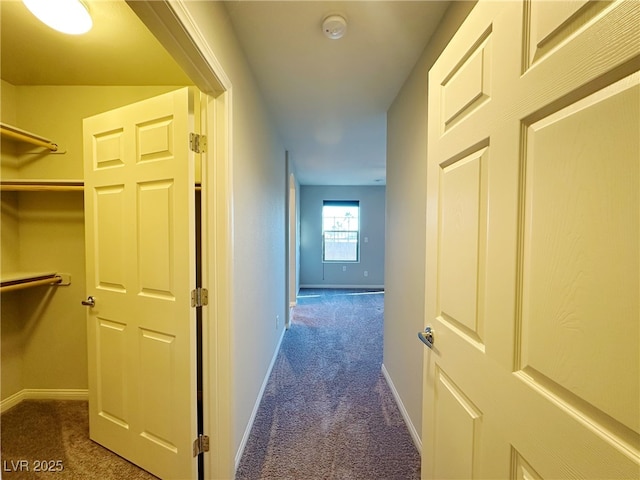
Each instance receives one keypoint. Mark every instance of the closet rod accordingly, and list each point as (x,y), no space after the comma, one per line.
(31,283)
(27,137)
(9,186)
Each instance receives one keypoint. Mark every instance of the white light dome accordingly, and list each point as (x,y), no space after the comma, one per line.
(66,16)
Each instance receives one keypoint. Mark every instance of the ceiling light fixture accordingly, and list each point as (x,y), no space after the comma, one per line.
(66,16)
(334,26)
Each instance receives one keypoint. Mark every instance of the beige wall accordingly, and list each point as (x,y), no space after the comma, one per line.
(258,195)
(44,343)
(406,223)
(8,97)
(10,150)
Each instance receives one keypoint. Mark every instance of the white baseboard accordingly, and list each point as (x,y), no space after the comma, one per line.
(43,394)
(340,286)
(412,429)
(252,418)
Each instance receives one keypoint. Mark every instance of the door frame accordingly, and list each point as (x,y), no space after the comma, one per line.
(172,24)
(291,233)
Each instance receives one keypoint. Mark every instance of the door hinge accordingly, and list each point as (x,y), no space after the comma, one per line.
(200,445)
(199,297)
(197,143)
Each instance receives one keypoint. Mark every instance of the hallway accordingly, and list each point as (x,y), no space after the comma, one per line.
(327,411)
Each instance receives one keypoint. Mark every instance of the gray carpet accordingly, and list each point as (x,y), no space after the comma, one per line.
(44,439)
(327,412)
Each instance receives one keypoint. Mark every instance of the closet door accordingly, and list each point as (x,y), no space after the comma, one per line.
(139,207)
(532,244)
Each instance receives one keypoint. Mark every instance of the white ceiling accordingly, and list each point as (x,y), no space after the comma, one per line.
(328,97)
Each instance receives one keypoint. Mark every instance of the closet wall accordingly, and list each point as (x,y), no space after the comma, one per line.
(43,334)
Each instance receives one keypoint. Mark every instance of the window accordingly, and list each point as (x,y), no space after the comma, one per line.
(340,231)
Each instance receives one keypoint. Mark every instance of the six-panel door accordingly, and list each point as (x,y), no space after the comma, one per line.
(533,244)
(139,214)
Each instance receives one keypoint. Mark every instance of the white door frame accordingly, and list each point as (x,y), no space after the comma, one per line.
(175,28)
(292,242)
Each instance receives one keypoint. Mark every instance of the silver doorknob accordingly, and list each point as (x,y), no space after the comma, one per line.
(89,302)
(426,337)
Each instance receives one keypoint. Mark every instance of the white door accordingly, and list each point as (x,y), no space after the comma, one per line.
(533,244)
(140,244)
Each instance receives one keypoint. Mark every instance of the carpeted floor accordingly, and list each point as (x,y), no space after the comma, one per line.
(44,439)
(327,411)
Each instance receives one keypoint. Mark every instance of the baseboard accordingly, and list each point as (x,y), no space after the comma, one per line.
(252,418)
(412,429)
(324,285)
(43,394)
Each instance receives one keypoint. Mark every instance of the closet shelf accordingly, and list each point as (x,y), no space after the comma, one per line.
(20,135)
(42,185)
(49,186)
(19,281)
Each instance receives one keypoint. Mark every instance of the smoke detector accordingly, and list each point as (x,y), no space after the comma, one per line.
(334,26)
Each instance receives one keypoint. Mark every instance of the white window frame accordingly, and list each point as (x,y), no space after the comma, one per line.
(348,233)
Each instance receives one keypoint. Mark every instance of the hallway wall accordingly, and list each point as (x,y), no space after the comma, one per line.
(258,186)
(406,224)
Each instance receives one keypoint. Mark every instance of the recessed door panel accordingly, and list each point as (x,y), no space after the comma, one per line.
(112,372)
(462,211)
(157,366)
(156,239)
(549,25)
(469,84)
(110,224)
(457,431)
(520,468)
(108,149)
(581,255)
(155,140)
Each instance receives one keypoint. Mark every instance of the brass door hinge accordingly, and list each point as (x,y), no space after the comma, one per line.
(197,143)
(199,297)
(200,445)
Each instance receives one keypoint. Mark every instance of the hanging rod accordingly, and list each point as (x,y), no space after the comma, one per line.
(28,137)
(30,282)
(41,185)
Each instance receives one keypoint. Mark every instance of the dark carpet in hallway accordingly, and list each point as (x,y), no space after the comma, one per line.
(327,411)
